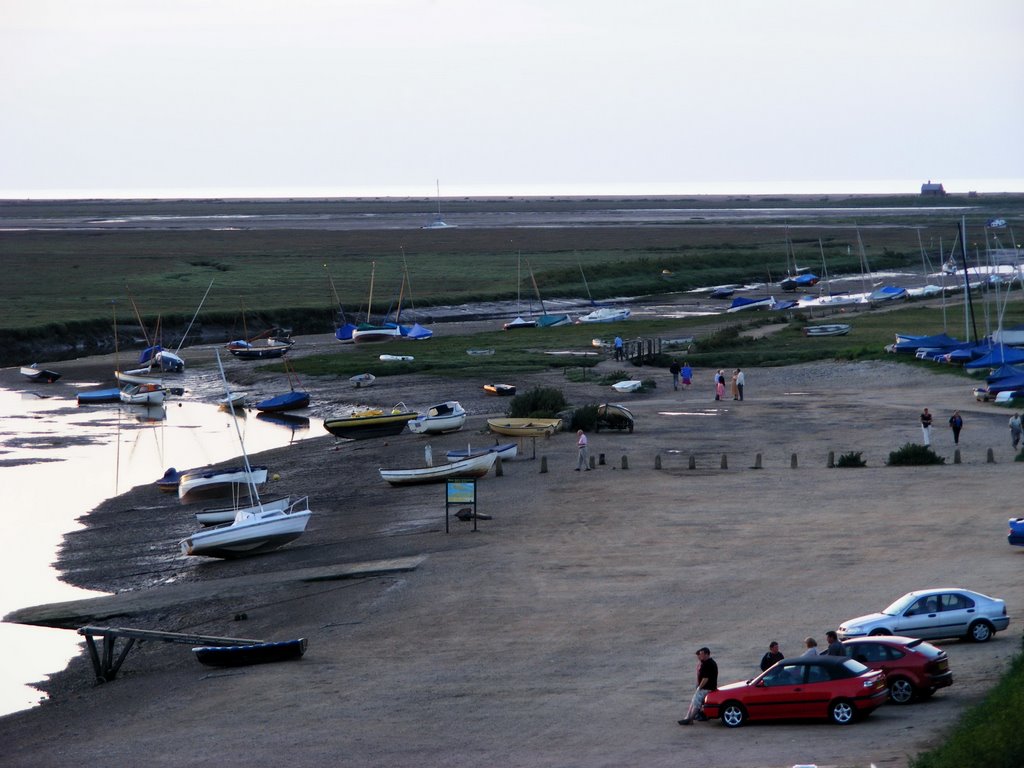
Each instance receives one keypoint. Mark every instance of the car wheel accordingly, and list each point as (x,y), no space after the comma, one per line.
(630,428)
(841,712)
(980,631)
(901,690)
(880,631)
(733,715)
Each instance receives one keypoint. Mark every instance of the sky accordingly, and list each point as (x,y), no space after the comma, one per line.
(153,98)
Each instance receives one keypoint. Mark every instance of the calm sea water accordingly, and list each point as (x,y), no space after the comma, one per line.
(59,461)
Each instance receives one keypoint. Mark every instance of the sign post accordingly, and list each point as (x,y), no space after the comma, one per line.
(459,491)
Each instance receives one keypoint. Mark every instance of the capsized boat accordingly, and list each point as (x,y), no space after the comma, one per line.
(629,385)
(518,323)
(614,416)
(472,466)
(504,451)
(448,416)
(501,390)
(522,427)
(371,422)
(829,329)
(39,374)
(210,483)
(362,380)
(250,653)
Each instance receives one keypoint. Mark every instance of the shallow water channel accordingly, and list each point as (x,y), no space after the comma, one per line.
(58,462)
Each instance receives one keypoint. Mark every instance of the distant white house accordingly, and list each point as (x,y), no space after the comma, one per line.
(933,190)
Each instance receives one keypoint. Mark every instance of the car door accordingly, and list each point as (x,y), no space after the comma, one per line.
(778,694)
(921,618)
(957,612)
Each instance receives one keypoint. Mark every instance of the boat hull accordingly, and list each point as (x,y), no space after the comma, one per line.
(40,374)
(472,466)
(836,329)
(211,484)
(251,534)
(221,515)
(505,452)
(373,424)
(255,653)
(500,390)
(524,427)
(439,419)
(289,401)
(605,315)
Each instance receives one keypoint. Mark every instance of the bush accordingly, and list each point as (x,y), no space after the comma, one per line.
(851,459)
(585,418)
(538,403)
(914,455)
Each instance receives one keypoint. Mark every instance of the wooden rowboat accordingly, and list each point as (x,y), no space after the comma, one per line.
(473,466)
(524,427)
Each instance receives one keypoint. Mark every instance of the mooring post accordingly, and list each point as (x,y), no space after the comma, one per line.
(498,471)
(600,459)
(657,461)
(792,461)
(991,457)
(693,461)
(956,456)
(831,463)
(757,461)
(625,462)
(725,461)
(543,464)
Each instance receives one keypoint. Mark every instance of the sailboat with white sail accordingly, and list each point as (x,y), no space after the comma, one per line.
(260,527)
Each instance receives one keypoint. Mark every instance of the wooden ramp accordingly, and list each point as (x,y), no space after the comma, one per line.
(76,613)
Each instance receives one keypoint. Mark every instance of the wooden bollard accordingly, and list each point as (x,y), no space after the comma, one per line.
(498,471)
(956,456)
(792,461)
(625,462)
(725,461)
(600,459)
(693,462)
(543,464)
(831,463)
(657,461)
(757,461)
(991,457)
(591,462)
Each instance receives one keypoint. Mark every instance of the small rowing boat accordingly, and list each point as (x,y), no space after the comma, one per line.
(524,427)
(501,390)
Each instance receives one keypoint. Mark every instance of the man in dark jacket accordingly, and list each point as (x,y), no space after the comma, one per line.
(774,655)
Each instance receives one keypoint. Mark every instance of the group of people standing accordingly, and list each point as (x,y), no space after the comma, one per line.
(956,424)
(682,375)
(707,669)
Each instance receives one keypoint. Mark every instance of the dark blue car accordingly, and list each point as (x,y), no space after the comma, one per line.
(1016,534)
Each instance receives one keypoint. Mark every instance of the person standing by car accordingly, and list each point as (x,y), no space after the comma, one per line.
(812,647)
(956,423)
(835,648)
(707,681)
(675,370)
(1015,428)
(926,427)
(773,656)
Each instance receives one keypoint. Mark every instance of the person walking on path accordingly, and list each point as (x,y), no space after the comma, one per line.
(926,427)
(618,349)
(707,681)
(675,370)
(735,385)
(741,379)
(1015,427)
(956,423)
(583,453)
(835,648)
(687,375)
(773,656)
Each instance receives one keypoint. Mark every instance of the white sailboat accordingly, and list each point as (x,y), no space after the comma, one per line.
(254,529)
(438,222)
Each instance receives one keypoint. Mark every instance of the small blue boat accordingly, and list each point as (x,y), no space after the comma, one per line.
(254,653)
(289,401)
(98,396)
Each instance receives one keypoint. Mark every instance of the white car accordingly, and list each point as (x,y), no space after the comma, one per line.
(931,613)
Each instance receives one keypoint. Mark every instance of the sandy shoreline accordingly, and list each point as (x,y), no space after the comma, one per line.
(561,633)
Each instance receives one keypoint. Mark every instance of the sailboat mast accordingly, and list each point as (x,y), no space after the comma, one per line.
(369,302)
(969,305)
(253,490)
(438,183)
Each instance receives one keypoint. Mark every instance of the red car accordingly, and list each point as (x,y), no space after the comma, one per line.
(806,687)
(914,669)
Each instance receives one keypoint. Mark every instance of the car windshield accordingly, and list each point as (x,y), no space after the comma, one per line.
(900,605)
